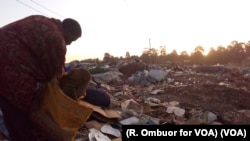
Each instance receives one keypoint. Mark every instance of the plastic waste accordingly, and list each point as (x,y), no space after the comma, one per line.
(96,135)
(154,100)
(129,121)
(108,129)
(157,74)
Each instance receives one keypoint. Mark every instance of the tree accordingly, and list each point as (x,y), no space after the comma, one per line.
(173,56)
(222,55)
(163,51)
(150,55)
(197,55)
(107,57)
(247,49)
(211,57)
(199,49)
(184,56)
(236,51)
(127,55)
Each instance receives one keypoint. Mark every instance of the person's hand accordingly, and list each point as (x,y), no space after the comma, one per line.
(63,71)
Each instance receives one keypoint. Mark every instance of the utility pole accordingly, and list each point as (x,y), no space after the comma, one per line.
(149,50)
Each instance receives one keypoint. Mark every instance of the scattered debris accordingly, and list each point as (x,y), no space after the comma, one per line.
(177,95)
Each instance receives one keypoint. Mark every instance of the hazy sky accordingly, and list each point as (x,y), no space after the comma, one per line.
(118,26)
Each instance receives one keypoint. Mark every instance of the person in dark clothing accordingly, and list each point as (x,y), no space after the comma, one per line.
(32,53)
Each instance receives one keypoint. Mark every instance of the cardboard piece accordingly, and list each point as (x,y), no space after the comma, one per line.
(107,113)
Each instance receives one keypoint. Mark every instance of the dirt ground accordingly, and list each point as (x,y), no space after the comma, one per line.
(212,94)
(225,95)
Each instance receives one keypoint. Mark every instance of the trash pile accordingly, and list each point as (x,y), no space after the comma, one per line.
(166,95)
(170,95)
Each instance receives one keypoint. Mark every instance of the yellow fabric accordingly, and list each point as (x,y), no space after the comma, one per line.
(57,115)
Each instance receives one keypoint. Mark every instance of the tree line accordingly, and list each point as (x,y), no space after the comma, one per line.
(236,52)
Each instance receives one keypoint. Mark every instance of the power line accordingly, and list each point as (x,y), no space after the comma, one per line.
(31,7)
(37,9)
(46,8)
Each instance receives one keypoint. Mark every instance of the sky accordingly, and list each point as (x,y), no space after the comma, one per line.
(118,26)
